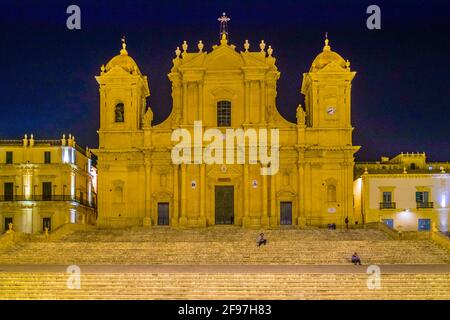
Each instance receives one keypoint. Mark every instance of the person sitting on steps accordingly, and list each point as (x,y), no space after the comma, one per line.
(261,240)
(355,259)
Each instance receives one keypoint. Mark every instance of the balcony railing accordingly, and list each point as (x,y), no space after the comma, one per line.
(387,205)
(79,200)
(424,205)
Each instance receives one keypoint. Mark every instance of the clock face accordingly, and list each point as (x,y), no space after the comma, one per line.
(331,110)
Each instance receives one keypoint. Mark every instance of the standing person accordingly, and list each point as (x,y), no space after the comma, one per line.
(261,240)
(346,223)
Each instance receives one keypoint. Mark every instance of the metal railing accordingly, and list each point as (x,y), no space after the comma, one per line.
(37,197)
(387,205)
(424,205)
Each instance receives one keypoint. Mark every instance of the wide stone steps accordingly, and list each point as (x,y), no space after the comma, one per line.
(218,233)
(223,286)
(276,252)
(222,245)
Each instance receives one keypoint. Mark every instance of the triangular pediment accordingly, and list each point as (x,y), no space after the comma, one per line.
(224,57)
(332,67)
(117,71)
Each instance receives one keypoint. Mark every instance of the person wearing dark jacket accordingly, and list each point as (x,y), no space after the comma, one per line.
(355,259)
(261,240)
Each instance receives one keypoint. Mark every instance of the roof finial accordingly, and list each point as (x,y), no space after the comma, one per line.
(124,47)
(326,47)
(223,26)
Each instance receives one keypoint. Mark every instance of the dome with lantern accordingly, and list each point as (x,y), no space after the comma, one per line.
(124,61)
(326,57)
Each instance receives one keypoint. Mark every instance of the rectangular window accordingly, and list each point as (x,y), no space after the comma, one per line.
(421,196)
(47,157)
(8,220)
(223,113)
(387,197)
(8,191)
(46,191)
(9,157)
(389,223)
(424,224)
(47,223)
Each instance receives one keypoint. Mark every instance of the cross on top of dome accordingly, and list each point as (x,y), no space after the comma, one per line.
(223,25)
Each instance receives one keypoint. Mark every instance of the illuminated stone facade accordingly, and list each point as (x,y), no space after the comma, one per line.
(139,184)
(406,192)
(46,183)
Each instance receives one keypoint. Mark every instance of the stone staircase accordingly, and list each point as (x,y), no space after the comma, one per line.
(223,286)
(223,245)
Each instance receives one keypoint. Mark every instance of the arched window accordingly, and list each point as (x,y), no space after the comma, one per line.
(120,112)
(331,193)
(223,113)
(118,194)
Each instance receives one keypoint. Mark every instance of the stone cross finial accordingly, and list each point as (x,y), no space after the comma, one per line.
(223,25)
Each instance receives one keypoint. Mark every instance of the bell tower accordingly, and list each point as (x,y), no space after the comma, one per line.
(123,93)
(328,156)
(327,90)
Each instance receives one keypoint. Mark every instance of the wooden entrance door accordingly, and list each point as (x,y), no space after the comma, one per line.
(163,213)
(286,213)
(224,204)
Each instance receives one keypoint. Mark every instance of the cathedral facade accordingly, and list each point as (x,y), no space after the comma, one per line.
(140,184)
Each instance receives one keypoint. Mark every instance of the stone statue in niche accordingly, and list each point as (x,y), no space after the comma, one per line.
(148,117)
(301,115)
(119,112)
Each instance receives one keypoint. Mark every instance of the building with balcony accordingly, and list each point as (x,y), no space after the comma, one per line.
(405,192)
(45,184)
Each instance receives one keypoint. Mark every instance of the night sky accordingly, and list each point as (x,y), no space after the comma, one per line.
(400,97)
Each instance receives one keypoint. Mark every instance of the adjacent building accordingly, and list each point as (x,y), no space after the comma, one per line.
(405,192)
(46,183)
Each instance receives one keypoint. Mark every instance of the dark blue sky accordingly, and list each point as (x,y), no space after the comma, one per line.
(400,98)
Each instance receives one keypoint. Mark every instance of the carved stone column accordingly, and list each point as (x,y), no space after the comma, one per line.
(273,204)
(264,200)
(176,201)
(246,100)
(148,193)
(185,102)
(246,219)
(202,194)
(183,218)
